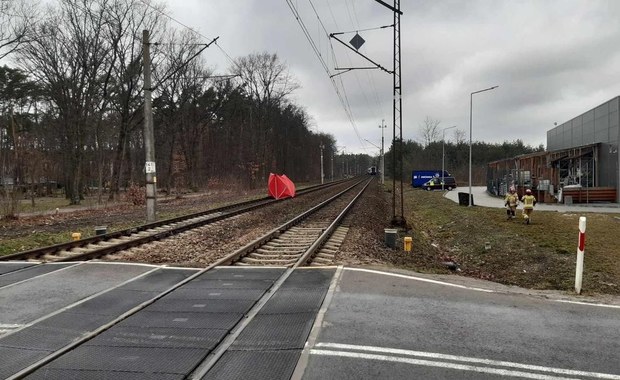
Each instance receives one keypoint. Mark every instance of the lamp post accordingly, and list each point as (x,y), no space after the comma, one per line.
(443,153)
(382,126)
(471,97)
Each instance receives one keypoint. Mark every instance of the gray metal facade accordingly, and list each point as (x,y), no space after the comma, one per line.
(598,125)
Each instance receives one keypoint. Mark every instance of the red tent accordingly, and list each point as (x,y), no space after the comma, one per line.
(280,186)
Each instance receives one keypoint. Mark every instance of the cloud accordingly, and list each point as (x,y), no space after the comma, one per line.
(552,59)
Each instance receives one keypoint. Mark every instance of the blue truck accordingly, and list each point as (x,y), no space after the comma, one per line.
(420,177)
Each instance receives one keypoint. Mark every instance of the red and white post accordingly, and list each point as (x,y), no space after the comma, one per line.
(581,246)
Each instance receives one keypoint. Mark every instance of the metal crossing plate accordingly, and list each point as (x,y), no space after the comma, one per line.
(10,267)
(202,306)
(275,332)
(40,338)
(295,301)
(134,359)
(15,359)
(244,273)
(309,278)
(74,374)
(204,283)
(175,319)
(57,331)
(115,302)
(159,280)
(270,345)
(74,324)
(170,337)
(159,337)
(24,272)
(243,365)
(222,294)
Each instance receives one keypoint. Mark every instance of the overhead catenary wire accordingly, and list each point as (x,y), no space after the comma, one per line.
(367,29)
(369,76)
(145,2)
(148,4)
(343,99)
(342,96)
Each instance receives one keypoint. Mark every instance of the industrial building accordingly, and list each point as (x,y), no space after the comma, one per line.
(581,163)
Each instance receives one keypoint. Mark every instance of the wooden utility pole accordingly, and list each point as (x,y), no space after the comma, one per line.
(149,139)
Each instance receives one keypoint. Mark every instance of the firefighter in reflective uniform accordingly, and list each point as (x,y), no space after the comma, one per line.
(511,201)
(529,201)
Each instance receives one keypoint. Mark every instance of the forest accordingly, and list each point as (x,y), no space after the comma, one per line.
(72,109)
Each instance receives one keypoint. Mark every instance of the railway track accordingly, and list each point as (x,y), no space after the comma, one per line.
(302,240)
(296,242)
(101,245)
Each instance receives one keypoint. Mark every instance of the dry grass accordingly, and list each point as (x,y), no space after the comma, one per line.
(539,256)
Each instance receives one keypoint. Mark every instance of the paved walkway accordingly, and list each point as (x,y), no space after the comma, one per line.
(484,199)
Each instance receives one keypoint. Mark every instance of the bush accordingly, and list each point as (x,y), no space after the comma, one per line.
(136,195)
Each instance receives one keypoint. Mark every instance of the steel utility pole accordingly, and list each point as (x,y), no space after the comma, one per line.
(382,126)
(149,139)
(398,220)
(322,176)
(332,176)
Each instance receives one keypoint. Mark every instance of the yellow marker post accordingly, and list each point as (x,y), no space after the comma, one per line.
(76,236)
(408,243)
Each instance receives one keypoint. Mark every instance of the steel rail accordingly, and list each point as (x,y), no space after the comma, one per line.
(202,369)
(245,206)
(237,255)
(56,354)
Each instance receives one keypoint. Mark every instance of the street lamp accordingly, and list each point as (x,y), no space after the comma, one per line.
(471,97)
(382,152)
(443,153)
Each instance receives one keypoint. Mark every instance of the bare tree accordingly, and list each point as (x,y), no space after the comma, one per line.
(68,54)
(459,136)
(266,77)
(430,130)
(127,19)
(183,108)
(268,83)
(16,20)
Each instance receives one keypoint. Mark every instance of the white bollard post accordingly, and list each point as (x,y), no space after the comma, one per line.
(581,246)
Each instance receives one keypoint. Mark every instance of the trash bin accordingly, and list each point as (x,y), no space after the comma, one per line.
(463,199)
(390,237)
(101,230)
(408,243)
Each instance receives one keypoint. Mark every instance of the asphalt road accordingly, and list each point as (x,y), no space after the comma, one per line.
(372,325)
(386,326)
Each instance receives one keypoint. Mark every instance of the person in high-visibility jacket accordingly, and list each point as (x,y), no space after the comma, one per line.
(511,201)
(529,201)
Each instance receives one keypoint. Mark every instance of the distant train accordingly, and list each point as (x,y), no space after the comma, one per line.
(372,170)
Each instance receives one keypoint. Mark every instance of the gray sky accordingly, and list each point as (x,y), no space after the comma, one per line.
(552,60)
